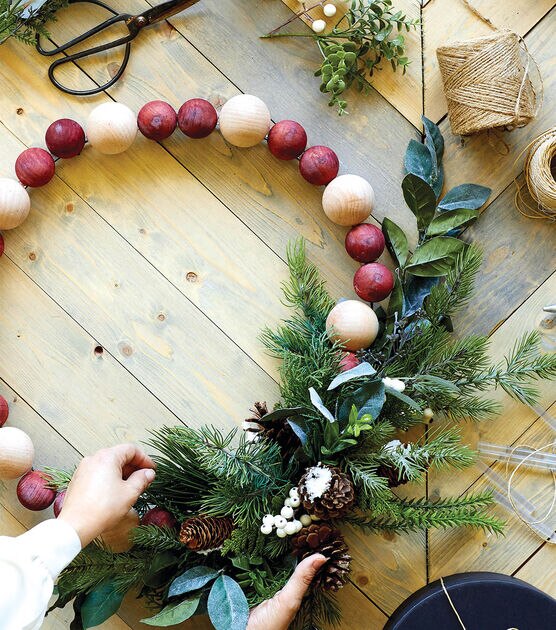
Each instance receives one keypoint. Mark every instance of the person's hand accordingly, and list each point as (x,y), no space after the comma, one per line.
(104,488)
(277,613)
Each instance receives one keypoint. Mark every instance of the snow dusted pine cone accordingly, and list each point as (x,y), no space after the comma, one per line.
(326,492)
(277,430)
(202,533)
(391,473)
(323,538)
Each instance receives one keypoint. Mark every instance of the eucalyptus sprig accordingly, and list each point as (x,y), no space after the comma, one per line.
(368,34)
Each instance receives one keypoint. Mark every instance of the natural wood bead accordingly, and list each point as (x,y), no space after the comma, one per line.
(118,539)
(244,120)
(352,323)
(16,453)
(348,200)
(111,128)
(14,203)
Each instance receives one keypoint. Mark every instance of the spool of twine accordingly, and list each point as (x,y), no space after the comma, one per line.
(486,83)
(540,170)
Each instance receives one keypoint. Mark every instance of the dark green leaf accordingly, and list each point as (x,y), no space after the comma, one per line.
(100,604)
(192,580)
(174,613)
(369,398)
(363,369)
(159,568)
(404,398)
(435,257)
(434,136)
(440,383)
(470,196)
(227,605)
(396,241)
(416,290)
(418,161)
(450,220)
(282,414)
(298,426)
(395,304)
(420,198)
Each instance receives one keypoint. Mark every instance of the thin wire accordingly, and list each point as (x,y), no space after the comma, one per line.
(452,603)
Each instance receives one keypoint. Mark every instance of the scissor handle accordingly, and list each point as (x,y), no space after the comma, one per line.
(85,53)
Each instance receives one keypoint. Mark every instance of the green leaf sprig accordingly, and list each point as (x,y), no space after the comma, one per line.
(368,34)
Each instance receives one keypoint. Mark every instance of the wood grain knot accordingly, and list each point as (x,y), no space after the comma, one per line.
(20,111)
(362,580)
(98,351)
(126,349)
(161,317)
(32,256)
(69,207)
(192,277)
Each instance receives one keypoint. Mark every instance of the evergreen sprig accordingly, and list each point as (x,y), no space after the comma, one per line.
(23,22)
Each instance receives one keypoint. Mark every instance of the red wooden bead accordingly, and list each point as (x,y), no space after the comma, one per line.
(287,140)
(59,503)
(157,120)
(65,138)
(365,242)
(34,492)
(159,517)
(319,165)
(34,167)
(1,244)
(197,118)
(349,361)
(373,282)
(4,409)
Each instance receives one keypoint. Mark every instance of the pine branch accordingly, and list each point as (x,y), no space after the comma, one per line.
(60,478)
(318,609)
(156,538)
(23,24)
(372,490)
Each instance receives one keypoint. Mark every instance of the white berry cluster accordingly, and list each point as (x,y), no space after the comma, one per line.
(394,383)
(329,10)
(285,523)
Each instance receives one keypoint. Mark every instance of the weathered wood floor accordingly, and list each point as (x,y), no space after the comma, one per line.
(133,295)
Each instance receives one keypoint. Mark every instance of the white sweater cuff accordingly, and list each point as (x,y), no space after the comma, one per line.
(53,542)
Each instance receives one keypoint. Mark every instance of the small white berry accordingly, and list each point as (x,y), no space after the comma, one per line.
(291,528)
(266,529)
(288,502)
(268,519)
(305,520)
(314,518)
(318,26)
(428,414)
(279,521)
(329,10)
(287,511)
(295,502)
(281,533)
(298,526)
(294,492)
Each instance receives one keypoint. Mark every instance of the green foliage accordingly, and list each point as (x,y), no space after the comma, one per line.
(318,609)
(155,538)
(369,33)
(227,605)
(59,478)
(22,22)
(174,613)
(100,604)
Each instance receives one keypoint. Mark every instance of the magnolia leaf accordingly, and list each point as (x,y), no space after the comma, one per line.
(451,220)
(404,398)
(396,241)
(227,605)
(416,290)
(368,399)
(435,257)
(174,613)
(395,304)
(418,161)
(363,369)
(317,402)
(282,414)
(100,604)
(433,137)
(420,198)
(299,428)
(470,196)
(192,580)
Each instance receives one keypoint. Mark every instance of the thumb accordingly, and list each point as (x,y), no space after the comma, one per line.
(297,586)
(139,481)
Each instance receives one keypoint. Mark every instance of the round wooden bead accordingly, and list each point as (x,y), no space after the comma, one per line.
(65,138)
(319,165)
(348,199)
(4,407)
(287,140)
(157,120)
(14,203)
(34,167)
(118,539)
(197,118)
(16,453)
(353,324)
(111,128)
(244,120)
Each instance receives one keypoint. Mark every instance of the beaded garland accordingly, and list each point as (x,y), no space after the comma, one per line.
(244,121)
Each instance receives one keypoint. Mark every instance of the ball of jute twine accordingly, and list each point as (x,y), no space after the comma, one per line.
(539,170)
(486,83)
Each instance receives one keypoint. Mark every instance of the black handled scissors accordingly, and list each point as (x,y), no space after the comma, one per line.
(134,23)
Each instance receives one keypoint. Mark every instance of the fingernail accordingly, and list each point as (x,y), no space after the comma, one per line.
(319,561)
(150,474)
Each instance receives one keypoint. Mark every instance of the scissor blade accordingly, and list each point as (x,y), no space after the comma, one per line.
(165,10)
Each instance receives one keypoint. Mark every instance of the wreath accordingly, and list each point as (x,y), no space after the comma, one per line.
(229,515)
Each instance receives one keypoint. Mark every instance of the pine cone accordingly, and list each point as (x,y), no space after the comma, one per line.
(201,533)
(277,430)
(323,538)
(394,480)
(337,498)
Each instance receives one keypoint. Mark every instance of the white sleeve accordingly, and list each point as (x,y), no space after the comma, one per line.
(29,565)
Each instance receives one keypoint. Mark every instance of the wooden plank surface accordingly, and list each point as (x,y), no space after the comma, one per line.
(204,227)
